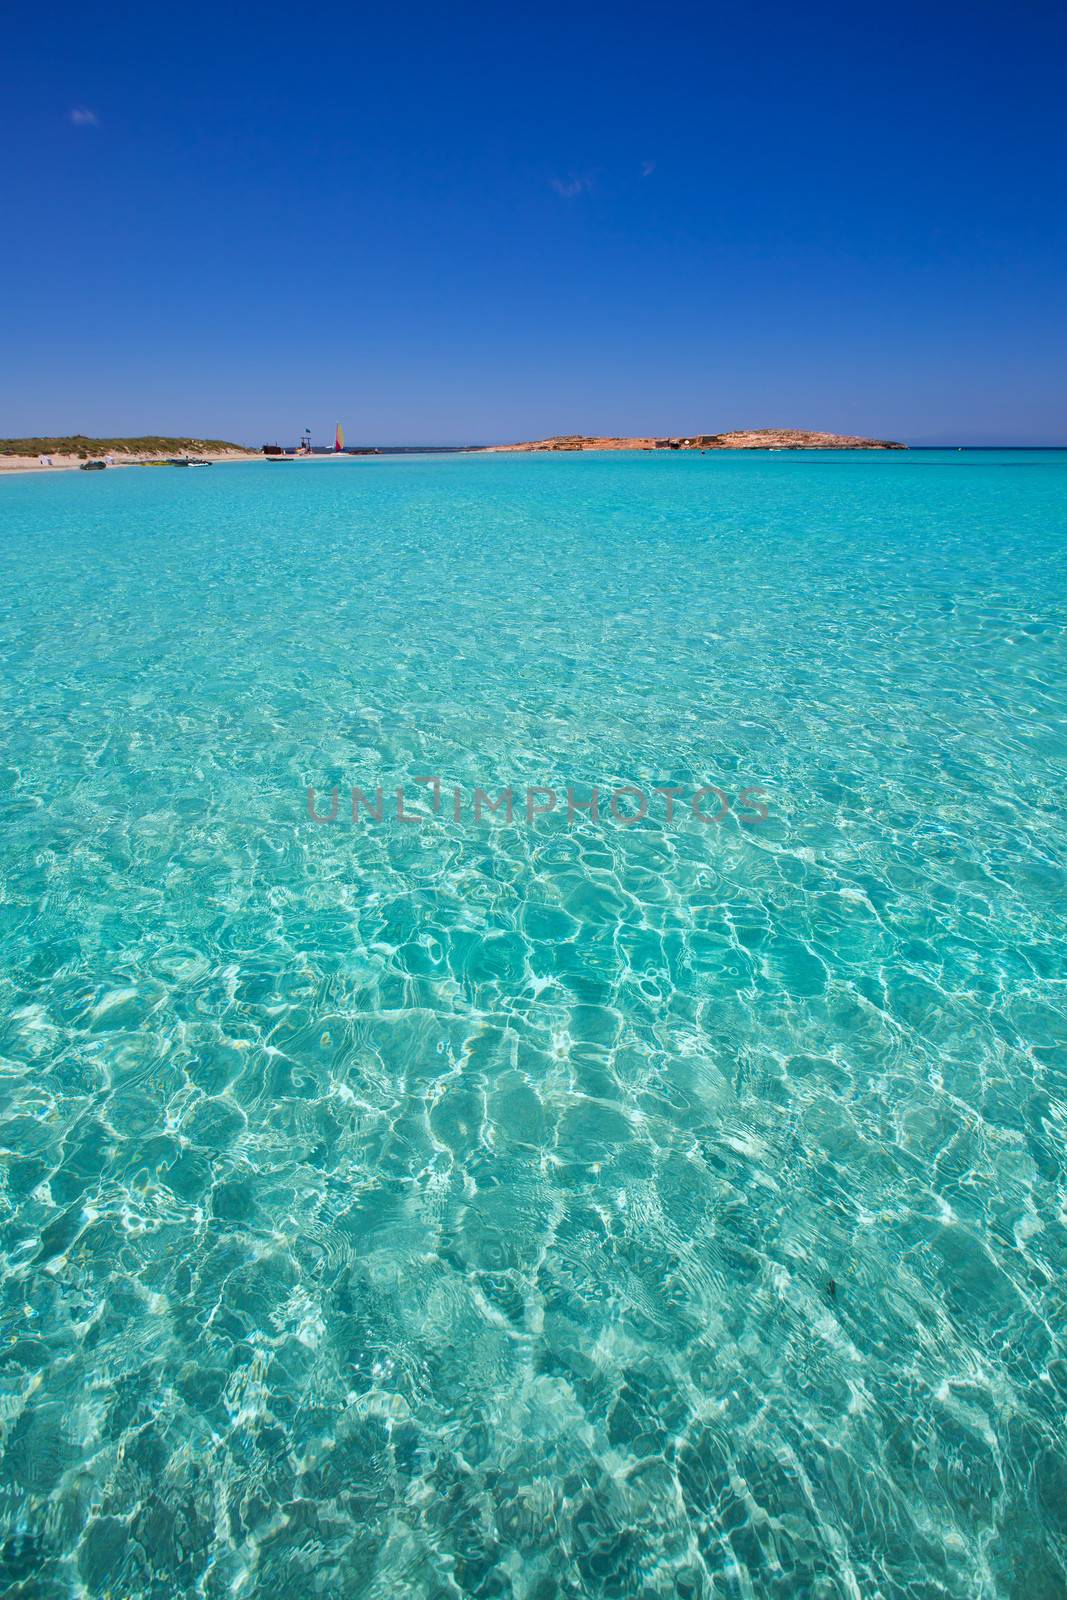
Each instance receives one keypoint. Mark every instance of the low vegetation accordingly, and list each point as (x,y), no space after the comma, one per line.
(79,445)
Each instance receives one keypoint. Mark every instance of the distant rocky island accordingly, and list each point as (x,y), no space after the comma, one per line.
(743,439)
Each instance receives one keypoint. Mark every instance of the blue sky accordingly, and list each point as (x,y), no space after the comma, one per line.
(483,223)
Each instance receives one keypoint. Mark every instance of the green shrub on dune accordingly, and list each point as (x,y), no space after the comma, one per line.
(79,444)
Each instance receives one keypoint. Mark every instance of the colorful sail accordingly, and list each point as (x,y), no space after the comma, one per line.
(339,442)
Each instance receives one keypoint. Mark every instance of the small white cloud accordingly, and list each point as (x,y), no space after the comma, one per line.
(647,168)
(569,187)
(82,117)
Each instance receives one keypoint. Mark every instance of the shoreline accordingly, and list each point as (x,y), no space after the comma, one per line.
(25,465)
(21,466)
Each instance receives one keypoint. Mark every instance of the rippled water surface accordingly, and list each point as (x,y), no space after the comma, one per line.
(474,1209)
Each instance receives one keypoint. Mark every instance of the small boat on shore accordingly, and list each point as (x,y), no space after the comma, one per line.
(304,450)
(93,466)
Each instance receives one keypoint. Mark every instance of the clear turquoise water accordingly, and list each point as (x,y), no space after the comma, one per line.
(452,1210)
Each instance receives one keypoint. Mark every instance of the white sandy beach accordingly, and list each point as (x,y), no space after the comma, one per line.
(69,463)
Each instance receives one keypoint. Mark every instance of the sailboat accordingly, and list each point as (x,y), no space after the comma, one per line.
(339,440)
